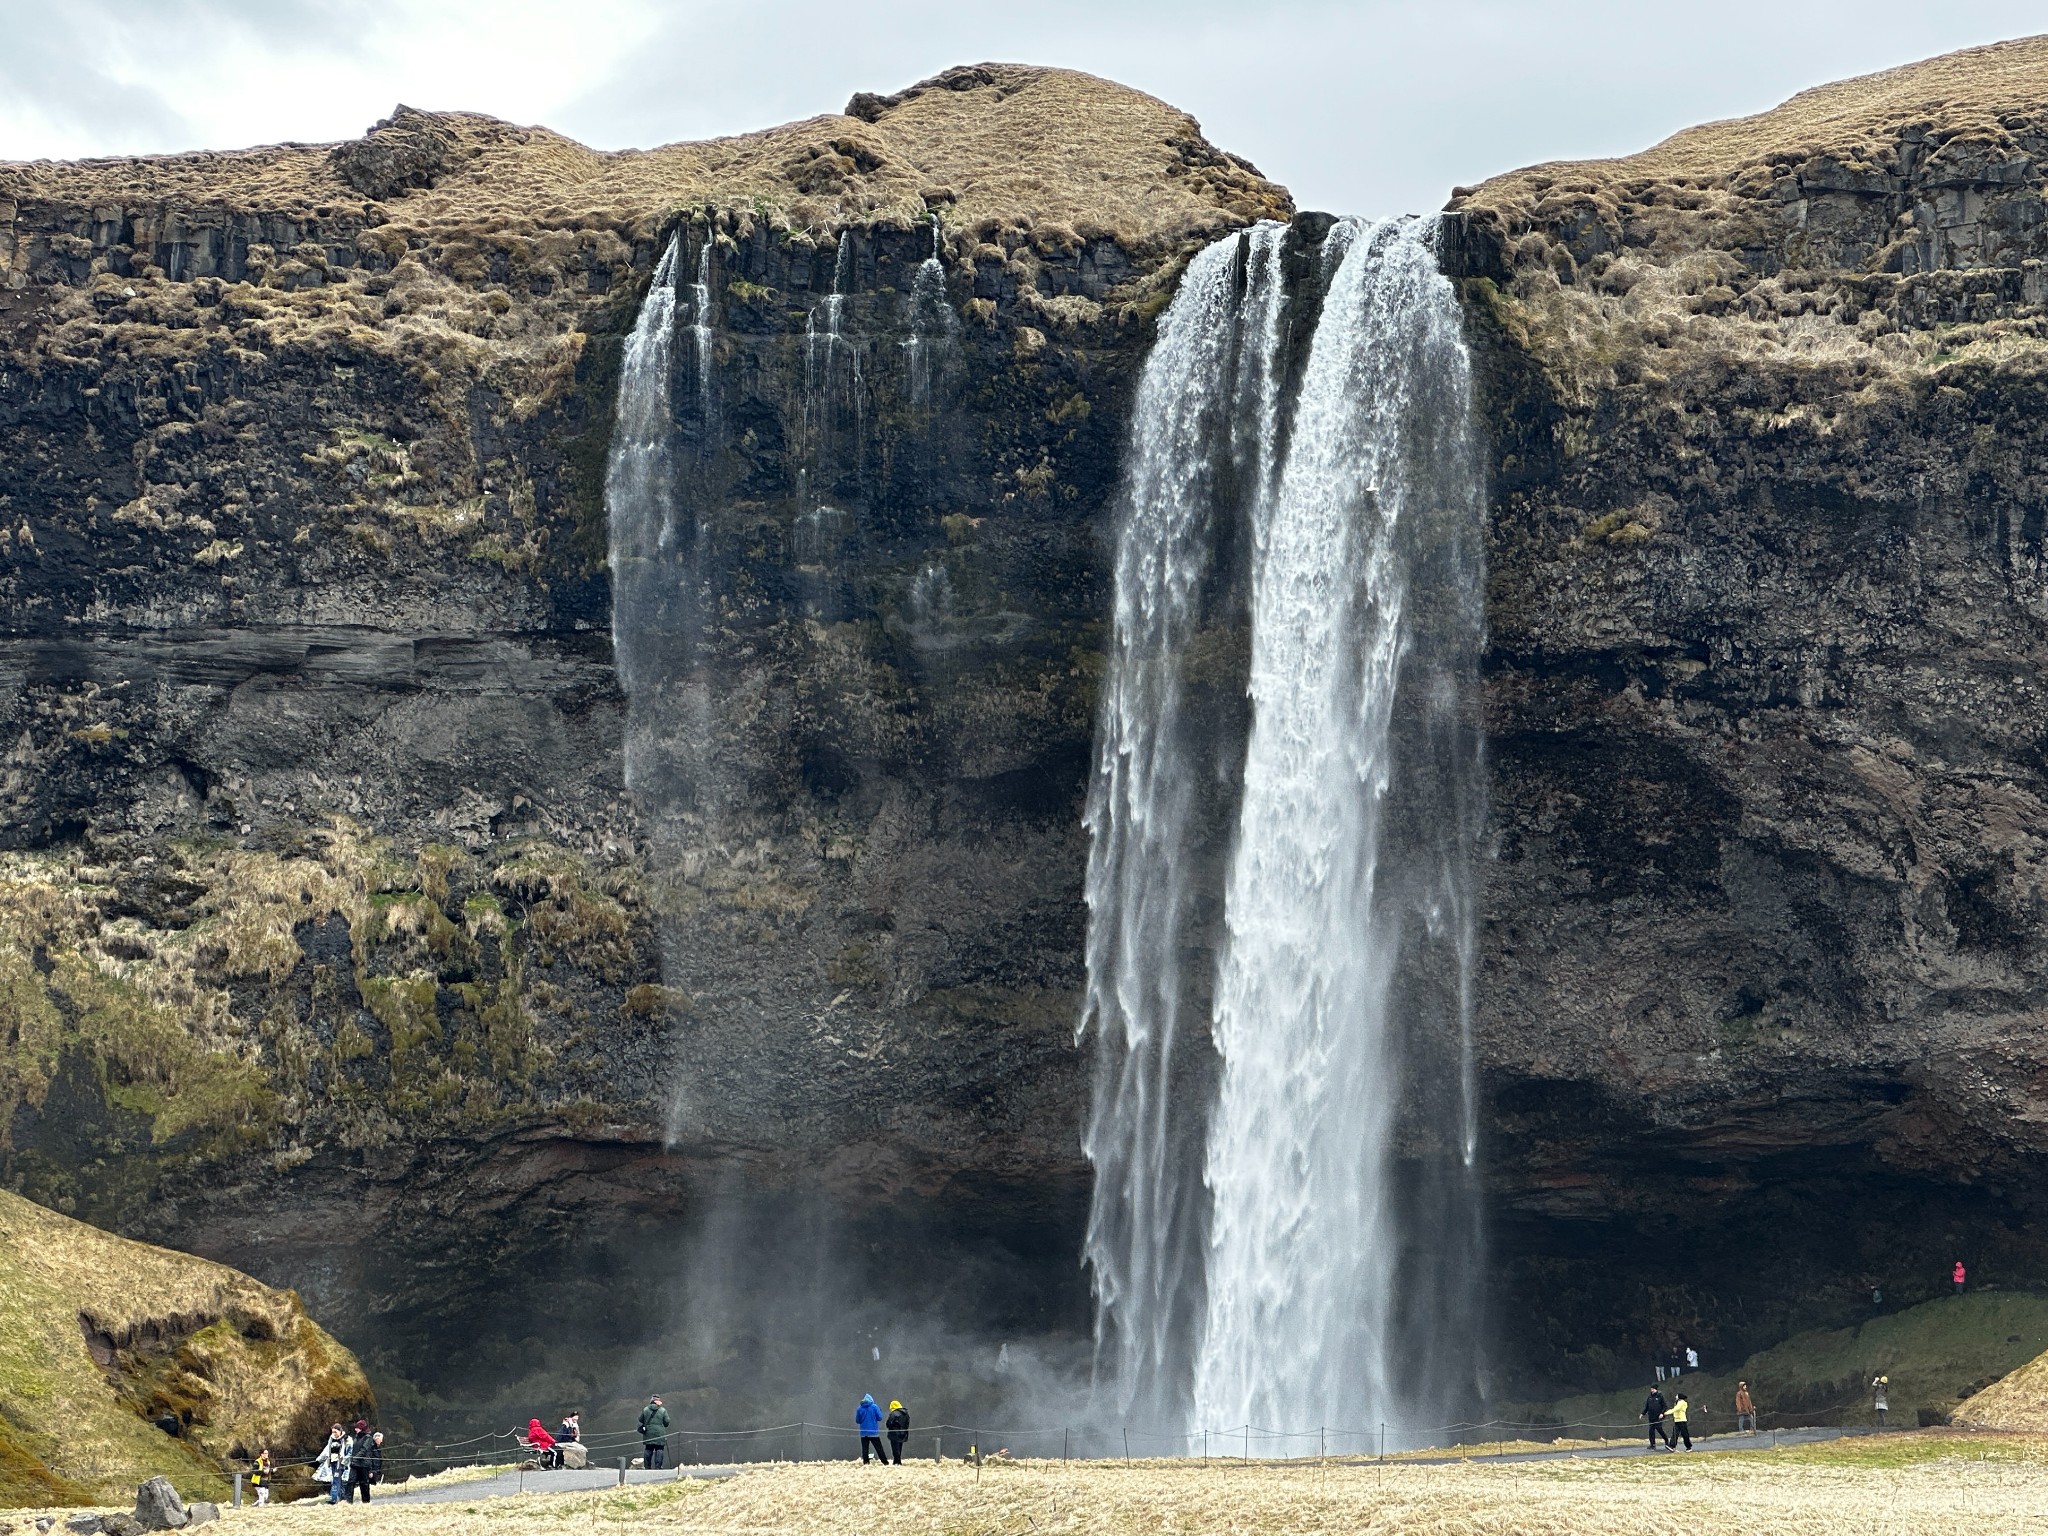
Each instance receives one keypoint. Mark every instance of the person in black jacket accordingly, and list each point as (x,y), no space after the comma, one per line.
(1654,1409)
(366,1465)
(899,1430)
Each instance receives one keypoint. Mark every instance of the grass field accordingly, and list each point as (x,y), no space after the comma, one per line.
(1955,1483)
(1935,1354)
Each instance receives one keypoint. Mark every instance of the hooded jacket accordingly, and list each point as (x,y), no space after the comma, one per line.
(1654,1407)
(899,1420)
(868,1416)
(538,1436)
(653,1425)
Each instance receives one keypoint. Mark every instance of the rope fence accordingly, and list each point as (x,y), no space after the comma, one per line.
(804,1441)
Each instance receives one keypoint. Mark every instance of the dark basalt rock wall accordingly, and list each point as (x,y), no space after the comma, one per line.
(332,934)
(1764,948)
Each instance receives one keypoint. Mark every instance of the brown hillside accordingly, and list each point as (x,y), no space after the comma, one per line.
(100,1337)
(996,145)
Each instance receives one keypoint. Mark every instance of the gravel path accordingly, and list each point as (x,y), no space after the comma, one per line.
(563,1481)
(1763,1440)
(512,1483)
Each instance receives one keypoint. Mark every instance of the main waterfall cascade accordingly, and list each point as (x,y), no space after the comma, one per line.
(1322,1269)
(1203,442)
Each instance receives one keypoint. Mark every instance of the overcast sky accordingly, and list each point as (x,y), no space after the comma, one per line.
(1361,106)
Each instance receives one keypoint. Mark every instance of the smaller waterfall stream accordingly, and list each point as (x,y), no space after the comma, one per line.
(701,339)
(833,406)
(932,322)
(640,482)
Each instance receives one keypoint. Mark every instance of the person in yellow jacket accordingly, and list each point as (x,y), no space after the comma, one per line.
(1679,1428)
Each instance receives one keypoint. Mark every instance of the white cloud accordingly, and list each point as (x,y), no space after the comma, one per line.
(89,77)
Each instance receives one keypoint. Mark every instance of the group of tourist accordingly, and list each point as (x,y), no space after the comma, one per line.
(550,1447)
(1670,1422)
(348,1463)
(867,1417)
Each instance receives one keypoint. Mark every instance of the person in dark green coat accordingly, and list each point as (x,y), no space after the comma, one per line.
(654,1431)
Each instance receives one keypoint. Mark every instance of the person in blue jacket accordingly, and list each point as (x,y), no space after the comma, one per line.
(869,1417)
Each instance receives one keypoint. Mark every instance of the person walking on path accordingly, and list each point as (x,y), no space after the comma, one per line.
(1745,1410)
(1879,1387)
(260,1476)
(1959,1276)
(331,1467)
(1654,1409)
(899,1430)
(654,1432)
(366,1464)
(868,1415)
(1692,1358)
(1679,1426)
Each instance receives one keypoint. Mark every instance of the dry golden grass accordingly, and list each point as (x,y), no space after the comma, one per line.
(2015,1402)
(246,1357)
(1938,1485)
(1671,295)
(1021,147)
(1966,95)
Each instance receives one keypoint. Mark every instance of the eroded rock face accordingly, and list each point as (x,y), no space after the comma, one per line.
(1764,967)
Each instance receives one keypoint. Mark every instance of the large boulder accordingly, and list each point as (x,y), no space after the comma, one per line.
(158,1507)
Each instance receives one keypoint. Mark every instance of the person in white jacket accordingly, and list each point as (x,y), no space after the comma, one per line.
(332,1466)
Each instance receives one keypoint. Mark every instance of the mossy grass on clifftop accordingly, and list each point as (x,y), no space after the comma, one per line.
(101,1338)
(1866,230)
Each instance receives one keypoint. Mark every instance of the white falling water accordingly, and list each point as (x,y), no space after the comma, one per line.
(833,407)
(1294,1247)
(640,483)
(1306,1244)
(700,323)
(1204,436)
(932,322)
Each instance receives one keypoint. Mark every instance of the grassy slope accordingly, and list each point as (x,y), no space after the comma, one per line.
(1935,1354)
(1026,147)
(2016,1402)
(1968,94)
(67,1433)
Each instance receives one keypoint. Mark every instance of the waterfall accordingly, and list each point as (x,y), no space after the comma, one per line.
(932,321)
(700,324)
(832,378)
(1204,436)
(640,507)
(1322,1270)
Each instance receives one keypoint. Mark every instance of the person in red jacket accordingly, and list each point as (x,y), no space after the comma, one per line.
(538,1437)
(1959,1276)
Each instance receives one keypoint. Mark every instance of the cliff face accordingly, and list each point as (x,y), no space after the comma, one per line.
(325,890)
(1764,956)
(324,885)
